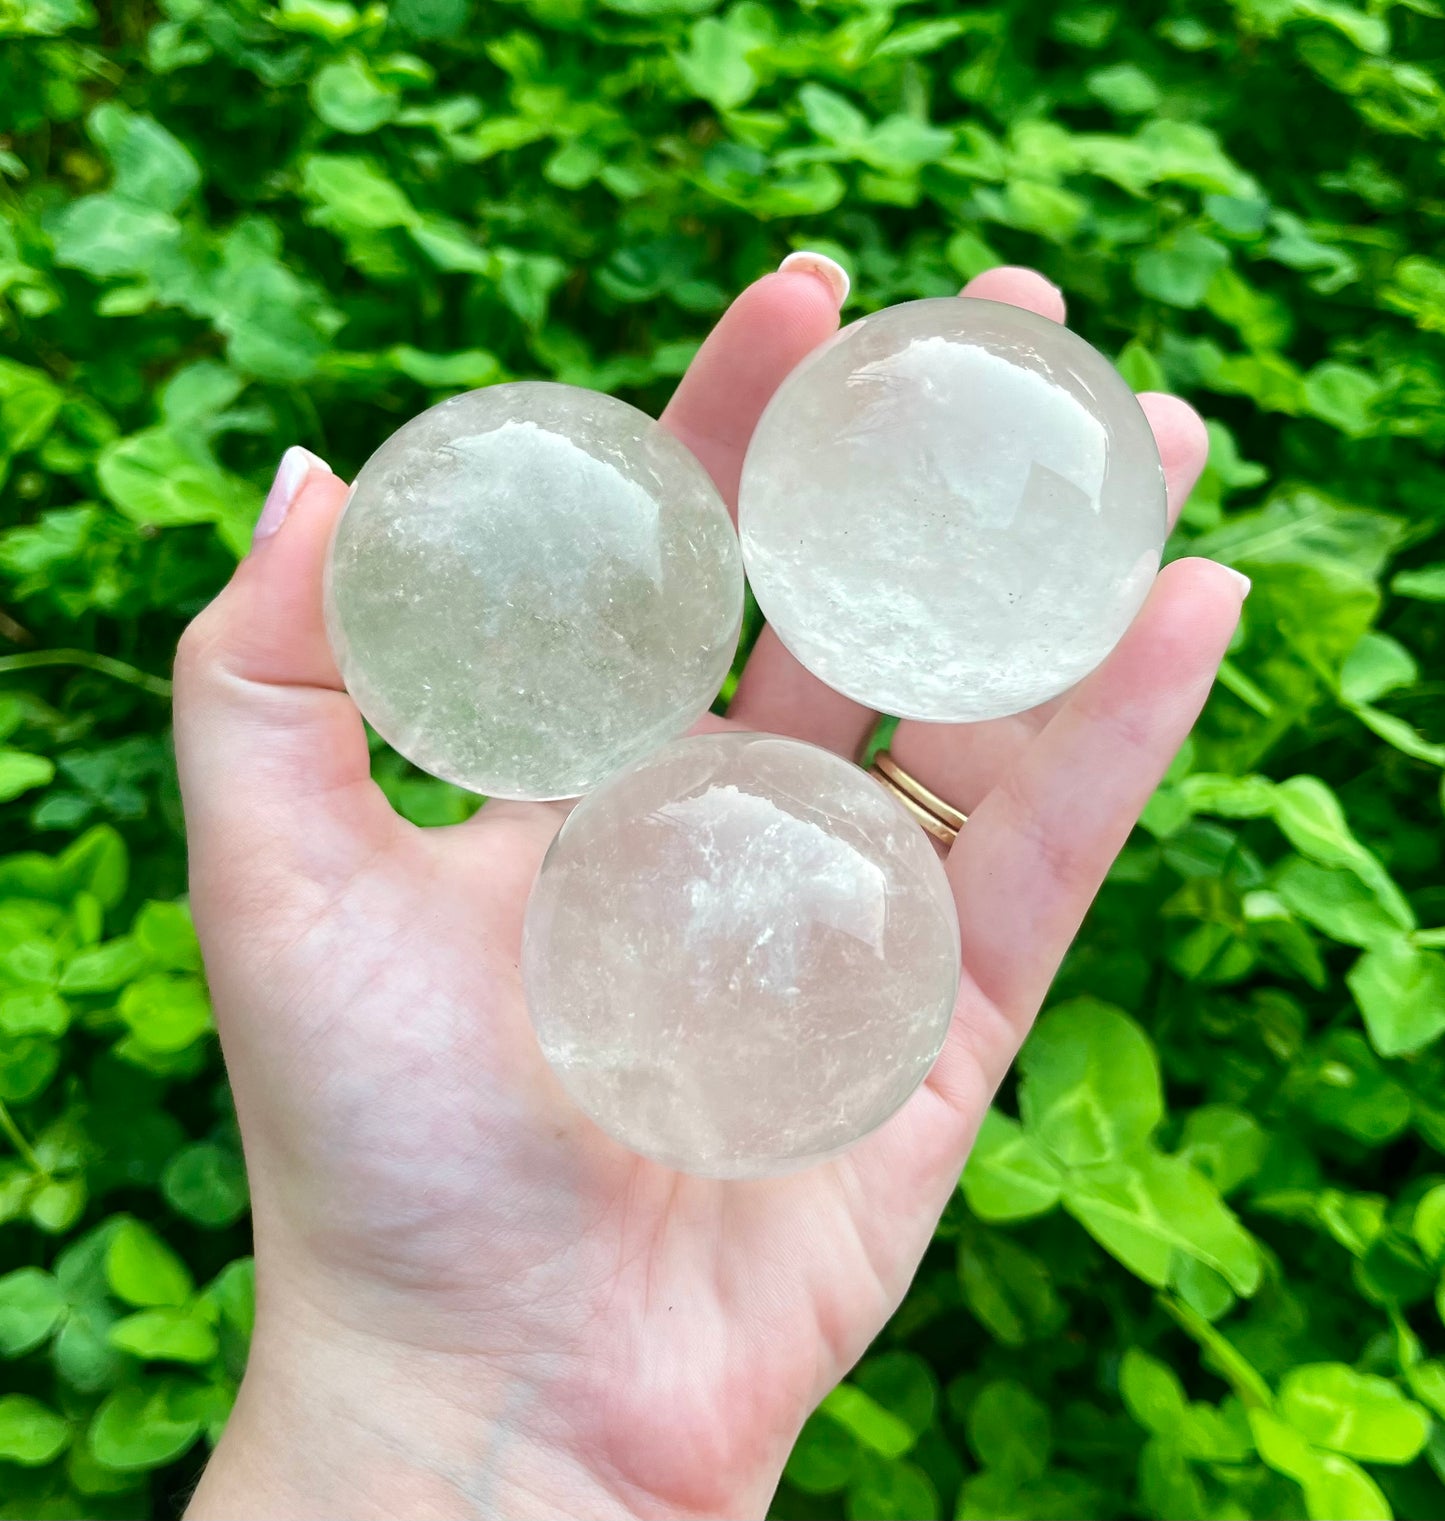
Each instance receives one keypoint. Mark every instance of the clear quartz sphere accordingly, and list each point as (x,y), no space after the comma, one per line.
(952,510)
(741,955)
(531,586)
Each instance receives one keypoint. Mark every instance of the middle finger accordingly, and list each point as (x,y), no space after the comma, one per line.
(963,762)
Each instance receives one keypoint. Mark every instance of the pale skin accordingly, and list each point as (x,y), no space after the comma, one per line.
(471,1302)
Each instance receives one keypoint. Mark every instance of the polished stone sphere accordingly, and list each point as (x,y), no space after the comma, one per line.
(952,510)
(531,586)
(740,955)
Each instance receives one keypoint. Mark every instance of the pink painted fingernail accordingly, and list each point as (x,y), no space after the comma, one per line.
(296,464)
(833,275)
(1244,582)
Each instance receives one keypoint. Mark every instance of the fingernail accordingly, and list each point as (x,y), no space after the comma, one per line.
(1244,582)
(296,464)
(833,275)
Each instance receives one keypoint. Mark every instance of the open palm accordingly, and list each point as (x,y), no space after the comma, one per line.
(503,1304)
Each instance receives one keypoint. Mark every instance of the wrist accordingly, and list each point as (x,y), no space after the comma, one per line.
(330,1424)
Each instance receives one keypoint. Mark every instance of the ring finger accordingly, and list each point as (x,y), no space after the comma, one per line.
(962,762)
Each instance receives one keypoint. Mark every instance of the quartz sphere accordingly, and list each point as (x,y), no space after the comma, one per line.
(531,586)
(952,510)
(740,955)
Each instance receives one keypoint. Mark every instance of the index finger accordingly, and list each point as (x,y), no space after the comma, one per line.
(769,328)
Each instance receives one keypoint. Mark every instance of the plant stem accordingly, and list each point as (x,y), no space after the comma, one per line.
(1234,680)
(88,660)
(17,1139)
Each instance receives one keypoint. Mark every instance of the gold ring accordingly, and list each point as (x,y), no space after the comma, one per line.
(942,820)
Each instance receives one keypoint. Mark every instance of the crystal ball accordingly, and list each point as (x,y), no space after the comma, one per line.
(740,955)
(531,586)
(952,510)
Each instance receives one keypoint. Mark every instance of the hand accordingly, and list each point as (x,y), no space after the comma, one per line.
(470,1300)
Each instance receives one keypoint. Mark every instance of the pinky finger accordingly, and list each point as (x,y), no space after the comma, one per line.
(1036,850)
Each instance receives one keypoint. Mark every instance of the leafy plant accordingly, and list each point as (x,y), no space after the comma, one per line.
(1195,1266)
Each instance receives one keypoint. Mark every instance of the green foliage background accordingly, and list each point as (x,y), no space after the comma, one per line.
(1194,1268)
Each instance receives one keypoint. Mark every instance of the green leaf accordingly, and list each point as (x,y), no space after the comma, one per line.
(20,772)
(1312,820)
(142,1270)
(1344,1086)
(105,235)
(467,369)
(1427,584)
(1429,1224)
(159,479)
(825,1456)
(45,18)
(168,1335)
(1179,273)
(1145,1210)
(1010,1430)
(166,1012)
(715,66)
(1226,1144)
(1305,526)
(140,1427)
(33,1011)
(1376,666)
(1357,1414)
(1167,1483)
(234,1295)
(31,1434)
(1048,210)
(1344,397)
(1009,1289)
(26,1067)
(152,168)
(29,404)
(1400,991)
(1186,153)
(881,1490)
(1009,1176)
(451,247)
(1152,1393)
(834,118)
(276,326)
(660,7)
(1370,34)
(1058,1496)
(1398,734)
(1124,88)
(348,96)
(1140,368)
(1427,1384)
(83,1355)
(206,1183)
(1336,902)
(903,1384)
(1261,320)
(430,20)
(1206,1292)
(527,283)
(31,1306)
(351,192)
(97,863)
(1232,797)
(197,392)
(873,1426)
(57,1204)
(1089,1087)
(1335,1489)
(164,932)
(103,968)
